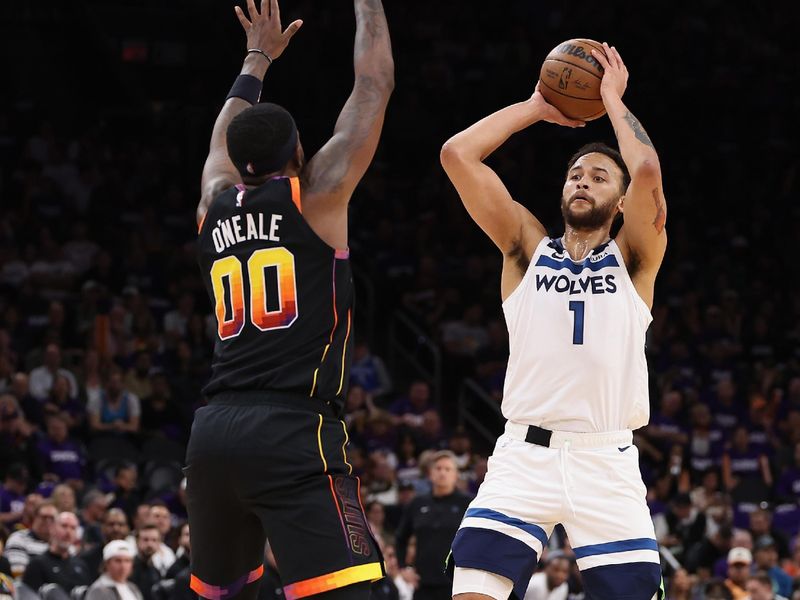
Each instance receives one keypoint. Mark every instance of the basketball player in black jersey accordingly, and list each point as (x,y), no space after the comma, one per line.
(267,457)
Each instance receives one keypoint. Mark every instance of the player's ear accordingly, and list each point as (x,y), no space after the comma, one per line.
(621,204)
(299,156)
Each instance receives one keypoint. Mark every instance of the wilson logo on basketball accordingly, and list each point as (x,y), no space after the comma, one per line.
(579,52)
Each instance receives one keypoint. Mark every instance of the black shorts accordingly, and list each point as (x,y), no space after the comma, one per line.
(267,466)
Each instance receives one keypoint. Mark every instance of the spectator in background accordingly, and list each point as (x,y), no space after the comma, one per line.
(61,458)
(411,407)
(491,360)
(32,408)
(23,545)
(407,457)
(788,488)
(461,446)
(766,558)
(118,410)
(12,495)
(681,526)
(43,377)
(430,435)
(382,486)
(32,502)
(160,516)
(16,435)
(57,565)
(176,321)
(725,406)
(739,562)
(388,588)
(5,566)
(181,571)
(183,555)
(91,377)
(434,520)
(376,517)
(405,580)
(665,428)
(115,583)
(464,337)
(369,371)
(160,415)
(759,587)
(705,441)
(114,527)
(702,556)
(137,379)
(59,402)
(63,497)
(680,586)
(551,583)
(93,509)
(145,573)
(743,465)
(358,408)
(126,496)
(380,434)
(761,526)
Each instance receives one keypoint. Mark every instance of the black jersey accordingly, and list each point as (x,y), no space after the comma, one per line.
(283,298)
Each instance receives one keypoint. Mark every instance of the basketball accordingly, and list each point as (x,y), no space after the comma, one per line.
(570,79)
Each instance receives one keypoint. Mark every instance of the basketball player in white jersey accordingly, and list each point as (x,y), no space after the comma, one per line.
(577,310)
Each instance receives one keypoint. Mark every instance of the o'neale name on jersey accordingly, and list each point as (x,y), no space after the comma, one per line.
(594,284)
(246,227)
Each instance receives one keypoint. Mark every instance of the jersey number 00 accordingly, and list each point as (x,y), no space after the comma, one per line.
(279,264)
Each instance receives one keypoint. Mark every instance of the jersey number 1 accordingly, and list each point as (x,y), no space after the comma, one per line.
(576,306)
(279,263)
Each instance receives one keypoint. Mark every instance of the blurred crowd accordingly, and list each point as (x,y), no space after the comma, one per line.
(106,334)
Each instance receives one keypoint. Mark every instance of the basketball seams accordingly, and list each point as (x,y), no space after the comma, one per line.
(557,68)
(560,93)
(593,44)
(566,62)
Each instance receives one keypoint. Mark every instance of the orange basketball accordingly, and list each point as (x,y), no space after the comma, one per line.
(570,79)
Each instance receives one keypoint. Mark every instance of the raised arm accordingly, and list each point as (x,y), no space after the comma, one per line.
(332,175)
(645,210)
(266,41)
(514,230)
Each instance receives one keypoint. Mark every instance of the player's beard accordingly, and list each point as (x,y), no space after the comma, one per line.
(596,218)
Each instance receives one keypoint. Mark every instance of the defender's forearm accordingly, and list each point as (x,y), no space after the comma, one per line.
(487,135)
(372,56)
(634,144)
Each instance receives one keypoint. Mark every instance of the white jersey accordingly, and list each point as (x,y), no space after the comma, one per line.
(577,333)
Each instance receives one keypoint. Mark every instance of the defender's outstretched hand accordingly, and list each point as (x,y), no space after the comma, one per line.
(615,75)
(550,113)
(264,29)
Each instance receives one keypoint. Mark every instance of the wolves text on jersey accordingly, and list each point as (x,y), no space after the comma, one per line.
(593,284)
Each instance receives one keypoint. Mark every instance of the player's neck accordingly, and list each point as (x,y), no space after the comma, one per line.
(579,243)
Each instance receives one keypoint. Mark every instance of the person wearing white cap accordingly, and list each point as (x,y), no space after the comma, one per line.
(739,562)
(113,584)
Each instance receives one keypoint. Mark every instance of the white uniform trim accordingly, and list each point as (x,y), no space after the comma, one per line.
(504,528)
(619,558)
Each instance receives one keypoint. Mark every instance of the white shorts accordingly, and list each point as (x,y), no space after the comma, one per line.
(591,484)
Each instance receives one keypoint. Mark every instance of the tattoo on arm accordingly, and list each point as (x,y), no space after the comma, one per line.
(637,128)
(661,212)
